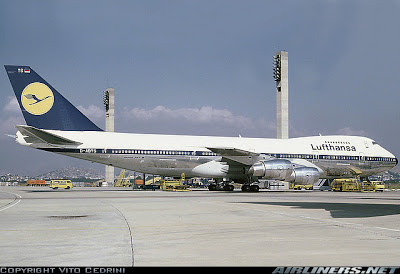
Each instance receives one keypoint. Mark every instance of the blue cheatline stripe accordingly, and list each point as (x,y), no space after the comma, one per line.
(208,153)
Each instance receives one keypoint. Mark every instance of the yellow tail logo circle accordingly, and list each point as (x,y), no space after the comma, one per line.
(37,98)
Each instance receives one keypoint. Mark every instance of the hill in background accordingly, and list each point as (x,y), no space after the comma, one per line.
(72,173)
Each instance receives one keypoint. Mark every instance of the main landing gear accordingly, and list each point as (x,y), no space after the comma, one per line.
(250,188)
(226,186)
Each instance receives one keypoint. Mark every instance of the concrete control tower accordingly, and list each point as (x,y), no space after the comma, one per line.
(108,98)
(281,76)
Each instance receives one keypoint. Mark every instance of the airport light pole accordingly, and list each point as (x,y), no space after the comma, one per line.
(281,76)
(108,98)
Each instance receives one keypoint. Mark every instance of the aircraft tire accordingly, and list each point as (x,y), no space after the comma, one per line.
(228,188)
(254,188)
(246,188)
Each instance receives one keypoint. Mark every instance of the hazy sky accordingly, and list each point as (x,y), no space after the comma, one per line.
(205,67)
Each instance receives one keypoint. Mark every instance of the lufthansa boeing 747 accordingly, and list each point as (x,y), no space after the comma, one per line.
(53,124)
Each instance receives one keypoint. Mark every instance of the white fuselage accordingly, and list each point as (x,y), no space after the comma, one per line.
(171,155)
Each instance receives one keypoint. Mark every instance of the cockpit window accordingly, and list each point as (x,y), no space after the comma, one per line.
(374,143)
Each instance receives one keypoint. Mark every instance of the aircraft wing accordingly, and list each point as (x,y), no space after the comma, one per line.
(238,156)
(35,135)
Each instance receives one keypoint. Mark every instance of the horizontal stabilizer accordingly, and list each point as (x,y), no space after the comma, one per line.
(45,137)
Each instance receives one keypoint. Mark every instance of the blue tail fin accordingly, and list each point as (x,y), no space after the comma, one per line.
(42,106)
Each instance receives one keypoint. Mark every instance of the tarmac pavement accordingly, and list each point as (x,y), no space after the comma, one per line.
(121,227)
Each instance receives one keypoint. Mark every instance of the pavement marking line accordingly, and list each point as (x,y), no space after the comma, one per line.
(16,201)
(391,229)
(130,233)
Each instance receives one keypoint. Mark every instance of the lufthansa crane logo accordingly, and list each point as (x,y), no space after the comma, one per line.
(37,98)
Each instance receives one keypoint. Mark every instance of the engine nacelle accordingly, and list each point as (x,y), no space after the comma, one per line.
(305,175)
(212,169)
(278,169)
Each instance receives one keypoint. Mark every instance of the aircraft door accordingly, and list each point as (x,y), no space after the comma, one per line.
(361,157)
(315,158)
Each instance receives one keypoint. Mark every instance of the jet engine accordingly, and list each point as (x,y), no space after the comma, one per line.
(211,169)
(283,170)
(305,175)
(278,169)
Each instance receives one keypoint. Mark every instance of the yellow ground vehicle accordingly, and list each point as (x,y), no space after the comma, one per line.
(346,185)
(55,184)
(379,185)
(300,187)
(174,185)
(121,181)
(356,185)
(367,186)
(373,186)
